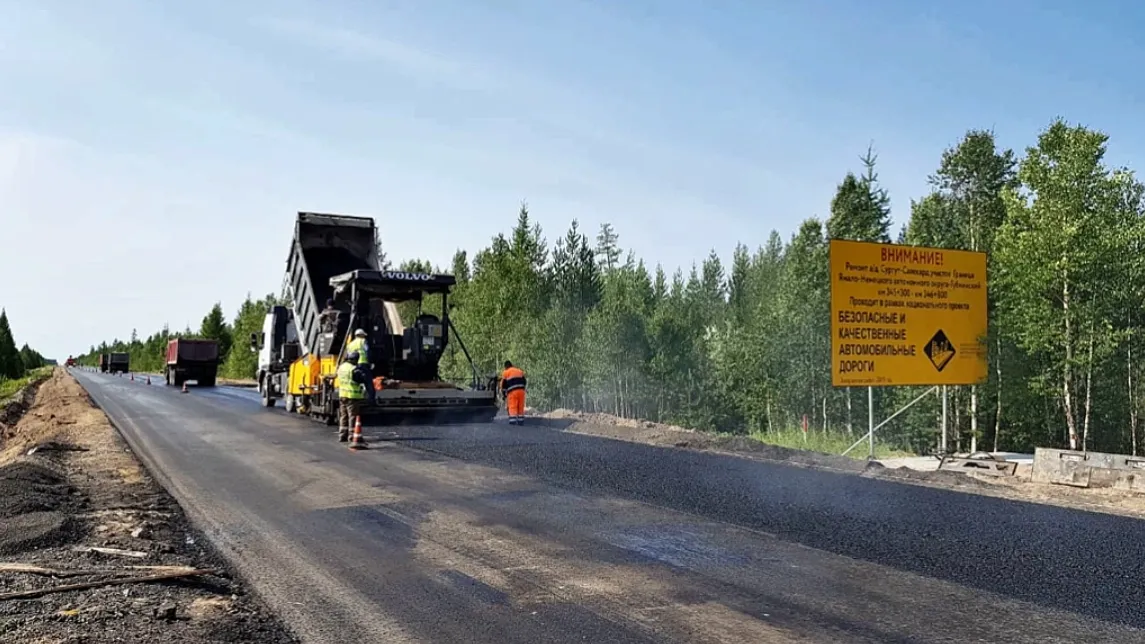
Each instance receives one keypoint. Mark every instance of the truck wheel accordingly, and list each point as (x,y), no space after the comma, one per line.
(267,399)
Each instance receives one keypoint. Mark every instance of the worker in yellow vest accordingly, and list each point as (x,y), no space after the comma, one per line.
(351,394)
(358,345)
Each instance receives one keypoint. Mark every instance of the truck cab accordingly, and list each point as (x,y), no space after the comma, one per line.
(277,346)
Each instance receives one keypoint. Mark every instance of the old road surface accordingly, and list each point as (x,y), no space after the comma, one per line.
(492,533)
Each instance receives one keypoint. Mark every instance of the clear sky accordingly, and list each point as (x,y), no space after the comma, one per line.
(153,154)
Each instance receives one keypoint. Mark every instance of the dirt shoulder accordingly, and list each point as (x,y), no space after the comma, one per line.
(1018,487)
(77,507)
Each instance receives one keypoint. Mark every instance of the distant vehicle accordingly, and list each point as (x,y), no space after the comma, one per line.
(70,362)
(192,359)
(118,362)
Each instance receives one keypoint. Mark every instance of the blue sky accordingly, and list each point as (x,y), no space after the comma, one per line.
(153,154)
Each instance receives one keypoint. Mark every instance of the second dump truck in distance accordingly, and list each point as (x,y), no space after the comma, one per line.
(192,359)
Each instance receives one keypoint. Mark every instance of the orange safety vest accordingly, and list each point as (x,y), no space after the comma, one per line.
(512,379)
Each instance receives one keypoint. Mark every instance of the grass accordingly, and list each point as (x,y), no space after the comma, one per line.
(9,387)
(829,444)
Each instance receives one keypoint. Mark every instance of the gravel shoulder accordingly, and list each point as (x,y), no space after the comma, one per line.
(1018,487)
(77,507)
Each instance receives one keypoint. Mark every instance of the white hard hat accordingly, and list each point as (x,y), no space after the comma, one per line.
(359,333)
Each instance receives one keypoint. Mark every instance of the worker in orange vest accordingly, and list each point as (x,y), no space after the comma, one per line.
(513,389)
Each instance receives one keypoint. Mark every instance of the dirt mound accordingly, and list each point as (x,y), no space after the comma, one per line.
(56,406)
(942,478)
(34,530)
(27,487)
(14,409)
(31,500)
(650,433)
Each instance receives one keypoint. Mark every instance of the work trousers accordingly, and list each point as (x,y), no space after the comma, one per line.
(348,409)
(515,405)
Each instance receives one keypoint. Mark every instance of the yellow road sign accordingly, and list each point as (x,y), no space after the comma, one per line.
(906,315)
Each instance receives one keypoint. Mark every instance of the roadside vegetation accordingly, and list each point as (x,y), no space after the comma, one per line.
(745,347)
(827,443)
(18,367)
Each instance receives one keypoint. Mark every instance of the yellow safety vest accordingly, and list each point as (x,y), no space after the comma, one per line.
(359,345)
(347,388)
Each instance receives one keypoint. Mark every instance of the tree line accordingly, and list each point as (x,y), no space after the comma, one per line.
(150,354)
(745,347)
(15,363)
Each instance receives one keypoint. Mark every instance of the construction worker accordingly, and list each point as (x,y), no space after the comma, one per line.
(351,394)
(513,390)
(328,318)
(358,345)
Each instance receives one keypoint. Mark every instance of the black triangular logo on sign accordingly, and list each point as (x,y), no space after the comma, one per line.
(939,350)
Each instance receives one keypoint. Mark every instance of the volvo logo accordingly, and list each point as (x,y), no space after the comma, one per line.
(400,275)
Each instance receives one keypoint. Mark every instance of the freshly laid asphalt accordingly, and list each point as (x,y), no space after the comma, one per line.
(493,533)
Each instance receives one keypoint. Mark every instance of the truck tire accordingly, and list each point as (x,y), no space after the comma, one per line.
(208,381)
(267,398)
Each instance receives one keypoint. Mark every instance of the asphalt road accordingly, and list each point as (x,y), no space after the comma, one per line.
(492,533)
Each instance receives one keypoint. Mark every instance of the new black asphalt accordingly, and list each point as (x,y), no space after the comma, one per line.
(492,533)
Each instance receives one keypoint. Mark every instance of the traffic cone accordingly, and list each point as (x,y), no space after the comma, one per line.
(356,440)
(184,387)
(148,380)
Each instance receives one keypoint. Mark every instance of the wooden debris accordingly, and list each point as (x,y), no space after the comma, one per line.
(53,572)
(114,581)
(138,554)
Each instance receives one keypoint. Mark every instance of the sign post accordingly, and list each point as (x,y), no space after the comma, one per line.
(906,316)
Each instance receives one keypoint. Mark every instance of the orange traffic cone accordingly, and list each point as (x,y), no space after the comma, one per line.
(356,440)
(184,387)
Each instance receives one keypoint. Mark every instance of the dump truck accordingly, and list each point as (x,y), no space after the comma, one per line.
(335,258)
(194,359)
(118,362)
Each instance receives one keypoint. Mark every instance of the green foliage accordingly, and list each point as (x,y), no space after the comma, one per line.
(214,327)
(745,348)
(9,387)
(30,358)
(241,362)
(11,364)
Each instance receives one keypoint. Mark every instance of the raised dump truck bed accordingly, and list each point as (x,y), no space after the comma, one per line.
(324,246)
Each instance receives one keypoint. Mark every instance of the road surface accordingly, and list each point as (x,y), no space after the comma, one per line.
(492,533)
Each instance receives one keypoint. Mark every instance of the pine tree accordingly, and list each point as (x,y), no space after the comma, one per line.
(214,327)
(11,366)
